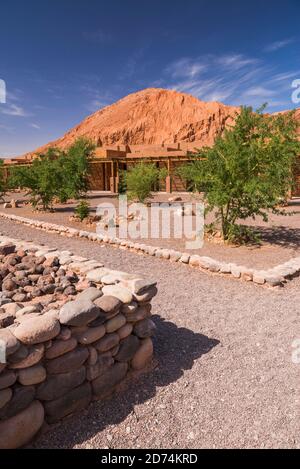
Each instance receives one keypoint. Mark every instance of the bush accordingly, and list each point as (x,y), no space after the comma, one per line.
(82,210)
(43,179)
(248,170)
(55,175)
(122,187)
(2,181)
(141,179)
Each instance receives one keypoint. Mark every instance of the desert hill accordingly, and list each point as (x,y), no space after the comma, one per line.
(152,116)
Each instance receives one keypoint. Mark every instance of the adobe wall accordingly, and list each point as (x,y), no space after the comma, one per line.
(71,329)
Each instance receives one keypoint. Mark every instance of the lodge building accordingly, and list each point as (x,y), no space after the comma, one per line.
(109,161)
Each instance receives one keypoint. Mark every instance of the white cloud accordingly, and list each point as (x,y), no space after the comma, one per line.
(186,67)
(235,61)
(260,92)
(14,110)
(274,46)
(232,78)
(35,126)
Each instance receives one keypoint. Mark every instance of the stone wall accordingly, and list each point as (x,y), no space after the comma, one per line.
(71,330)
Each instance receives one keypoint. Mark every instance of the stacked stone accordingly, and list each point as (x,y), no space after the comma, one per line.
(58,360)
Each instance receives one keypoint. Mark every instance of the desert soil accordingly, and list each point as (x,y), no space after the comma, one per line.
(280,235)
(222,377)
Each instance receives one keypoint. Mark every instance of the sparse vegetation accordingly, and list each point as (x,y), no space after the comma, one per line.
(247,171)
(2,181)
(82,210)
(56,174)
(141,179)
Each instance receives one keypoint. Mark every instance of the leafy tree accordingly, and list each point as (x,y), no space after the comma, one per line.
(122,182)
(2,181)
(43,178)
(248,170)
(141,179)
(75,166)
(56,174)
(82,210)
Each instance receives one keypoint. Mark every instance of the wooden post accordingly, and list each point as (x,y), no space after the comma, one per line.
(169,178)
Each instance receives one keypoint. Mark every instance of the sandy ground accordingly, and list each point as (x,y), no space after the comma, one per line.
(280,236)
(222,377)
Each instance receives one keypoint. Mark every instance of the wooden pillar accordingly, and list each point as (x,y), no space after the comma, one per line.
(169,177)
(112,178)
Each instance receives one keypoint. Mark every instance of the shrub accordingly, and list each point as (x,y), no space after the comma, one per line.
(248,170)
(141,179)
(122,187)
(55,175)
(82,210)
(2,181)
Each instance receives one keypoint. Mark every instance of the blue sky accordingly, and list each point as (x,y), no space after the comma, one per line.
(64,59)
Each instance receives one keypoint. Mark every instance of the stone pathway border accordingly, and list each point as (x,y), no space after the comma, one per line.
(275,276)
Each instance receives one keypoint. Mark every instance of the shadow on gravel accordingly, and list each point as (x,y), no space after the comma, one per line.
(281,236)
(176,350)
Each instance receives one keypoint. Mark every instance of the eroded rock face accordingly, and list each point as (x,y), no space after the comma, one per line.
(153,116)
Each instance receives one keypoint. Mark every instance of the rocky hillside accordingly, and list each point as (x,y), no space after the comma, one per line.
(152,116)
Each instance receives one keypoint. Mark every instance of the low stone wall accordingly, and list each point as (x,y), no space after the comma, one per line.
(272,277)
(70,332)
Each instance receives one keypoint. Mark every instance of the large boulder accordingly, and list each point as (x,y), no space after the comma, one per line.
(34,375)
(78,313)
(68,362)
(60,347)
(73,401)
(109,304)
(22,397)
(91,293)
(38,329)
(128,348)
(144,328)
(105,384)
(56,386)
(35,354)
(123,294)
(143,355)
(7,378)
(19,430)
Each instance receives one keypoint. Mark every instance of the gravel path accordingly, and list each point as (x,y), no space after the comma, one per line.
(280,235)
(223,374)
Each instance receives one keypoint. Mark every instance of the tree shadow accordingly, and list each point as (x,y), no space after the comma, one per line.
(282,236)
(176,350)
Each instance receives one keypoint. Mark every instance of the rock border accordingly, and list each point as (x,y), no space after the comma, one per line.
(273,277)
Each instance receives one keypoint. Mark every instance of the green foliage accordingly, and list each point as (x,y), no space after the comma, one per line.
(2,181)
(141,179)
(82,210)
(248,170)
(75,164)
(55,175)
(122,187)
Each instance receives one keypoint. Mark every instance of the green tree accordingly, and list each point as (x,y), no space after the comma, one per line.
(55,174)
(2,181)
(43,178)
(248,170)
(141,179)
(75,166)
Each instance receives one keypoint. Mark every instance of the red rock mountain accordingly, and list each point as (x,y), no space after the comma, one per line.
(152,116)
